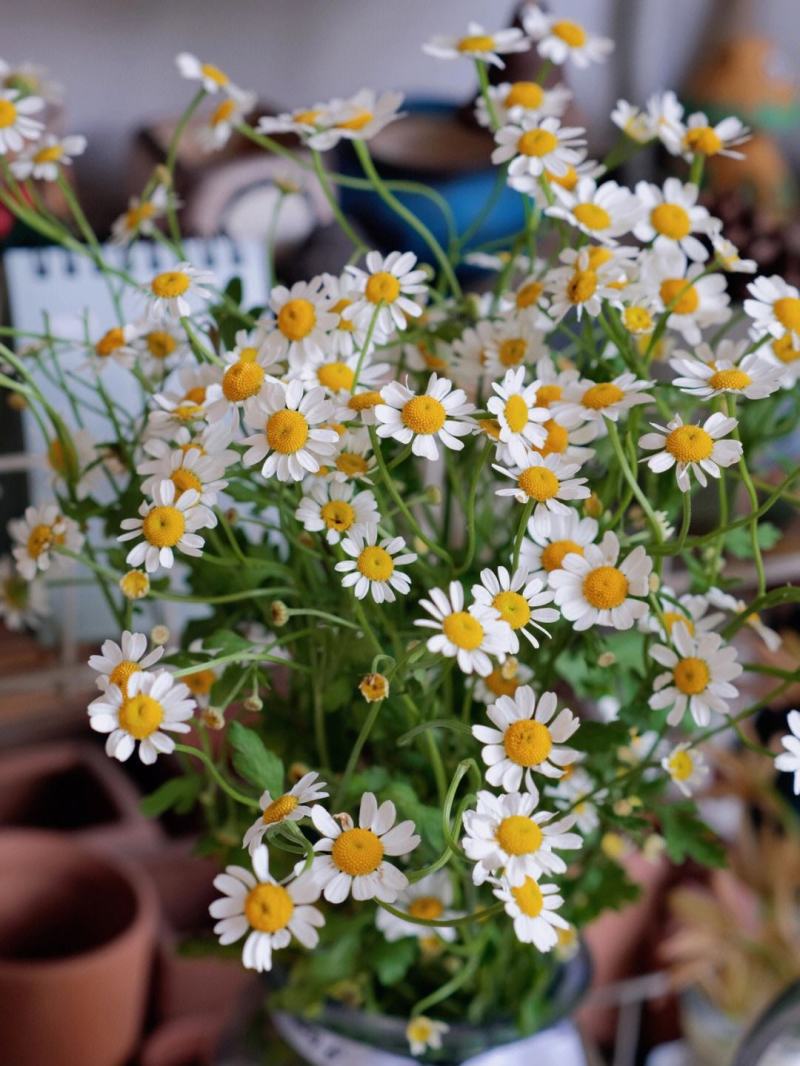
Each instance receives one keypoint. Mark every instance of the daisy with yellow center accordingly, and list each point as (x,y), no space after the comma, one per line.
(117,663)
(172,292)
(690,609)
(595,401)
(352,859)
(533,906)
(533,147)
(503,680)
(723,600)
(470,636)
(302,322)
(692,303)
(687,767)
(774,307)
(334,507)
(356,118)
(36,537)
(596,589)
(510,344)
(183,405)
(507,834)
(385,292)
(727,255)
(558,40)
(190,465)
(700,137)
(140,713)
(520,599)
(528,738)
(478,43)
(303,121)
(211,77)
(43,160)
(699,672)
(633,122)
(576,791)
(545,481)
(77,464)
(290,806)
(167,523)
(430,898)
(225,116)
(338,378)
(141,216)
(425,1034)
(16,124)
(247,368)
(551,537)
(441,413)
(268,913)
(705,373)
(672,216)
(692,448)
(604,212)
(348,337)
(513,101)
(113,346)
(581,285)
(788,761)
(521,421)
(372,568)
(158,346)
(293,439)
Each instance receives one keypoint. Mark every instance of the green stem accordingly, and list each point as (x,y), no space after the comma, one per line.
(246,801)
(172,156)
(333,203)
(355,754)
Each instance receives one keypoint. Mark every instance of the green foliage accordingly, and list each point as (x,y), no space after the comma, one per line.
(178,794)
(688,837)
(253,760)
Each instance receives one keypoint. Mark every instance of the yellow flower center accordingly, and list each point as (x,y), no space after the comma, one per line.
(681,766)
(51,154)
(598,397)
(296,319)
(476,42)
(592,216)
(41,539)
(121,674)
(512,351)
(336,376)
(519,835)
(528,294)
(222,113)
(382,287)
(287,431)
(691,676)
(171,284)
(134,584)
(637,319)
(516,413)
(557,439)
(537,143)
(671,618)
(357,121)
(363,401)
(138,214)
(109,342)
(671,220)
(570,33)
(581,286)
(279,809)
(338,515)
(528,897)
(605,587)
(491,427)
(689,444)
(200,682)
(140,715)
(160,344)
(679,296)
(423,414)
(730,379)
(56,457)
(219,77)
(242,380)
(164,526)
(351,463)
(787,312)
(555,553)
(513,608)
(428,907)
(784,349)
(307,118)
(375,563)
(703,139)
(527,743)
(8,114)
(499,685)
(184,479)
(463,629)
(268,908)
(357,852)
(548,394)
(538,483)
(344,323)
(524,94)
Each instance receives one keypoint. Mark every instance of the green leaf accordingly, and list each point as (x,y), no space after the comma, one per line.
(256,763)
(178,792)
(594,737)
(688,837)
(738,541)
(392,960)
(226,642)
(225,687)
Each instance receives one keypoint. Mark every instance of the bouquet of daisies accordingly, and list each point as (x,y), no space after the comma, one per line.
(459,643)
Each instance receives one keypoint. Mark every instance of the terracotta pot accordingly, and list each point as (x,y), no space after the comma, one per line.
(188,1041)
(77,932)
(74,788)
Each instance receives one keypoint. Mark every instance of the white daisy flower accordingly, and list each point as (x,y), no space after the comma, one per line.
(665,116)
(150,704)
(567,437)
(187,467)
(386,289)
(293,805)
(672,216)
(723,600)
(336,507)
(553,536)
(705,373)
(507,834)
(594,401)
(303,121)
(503,680)
(534,910)
(727,255)
(268,912)
(592,590)
(633,122)
(251,363)
(44,159)
(520,599)
(692,449)
(117,663)
(431,897)
(699,137)
(220,124)
(425,1034)
(580,285)
(302,322)
(698,677)
(172,292)
(338,376)
(438,414)
(788,761)
(31,79)
(513,101)
(546,481)
(536,146)
(526,739)
(508,344)
(552,381)
(212,79)
(348,336)
(784,353)
(16,123)
(184,403)
(774,307)
(352,859)
(35,535)
(372,566)
(292,439)
(583,169)
(693,303)
(577,791)
(478,44)
(158,346)
(690,609)
(561,39)
(357,118)
(23,604)
(520,419)
(469,636)
(604,212)
(166,523)
(141,216)
(687,767)
(115,346)
(353,455)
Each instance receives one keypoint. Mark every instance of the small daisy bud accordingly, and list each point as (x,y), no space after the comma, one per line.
(297,770)
(568,943)
(344,820)
(253,703)
(307,539)
(287,184)
(16,401)
(608,658)
(213,718)
(613,845)
(593,506)
(135,584)
(654,582)
(347,992)
(374,687)
(636,516)
(508,671)
(653,847)
(623,807)
(159,634)
(232,515)
(420,547)
(434,495)
(431,946)
(162,175)
(279,613)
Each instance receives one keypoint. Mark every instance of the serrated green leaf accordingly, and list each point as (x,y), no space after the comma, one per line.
(226,642)
(687,837)
(739,544)
(253,760)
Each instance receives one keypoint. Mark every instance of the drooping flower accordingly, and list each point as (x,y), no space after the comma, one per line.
(291,806)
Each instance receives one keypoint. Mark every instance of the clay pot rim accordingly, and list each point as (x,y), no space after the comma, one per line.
(145,916)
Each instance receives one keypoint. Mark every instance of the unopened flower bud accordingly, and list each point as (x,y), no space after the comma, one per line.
(593,506)
(162,175)
(508,671)
(613,845)
(297,770)
(344,820)
(420,547)
(135,584)
(374,687)
(653,847)
(213,718)
(232,516)
(253,703)
(434,495)
(159,635)
(654,582)
(623,808)
(607,658)
(279,613)
(16,401)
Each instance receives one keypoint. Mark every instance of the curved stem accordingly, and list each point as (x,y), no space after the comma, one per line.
(246,801)
(333,203)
